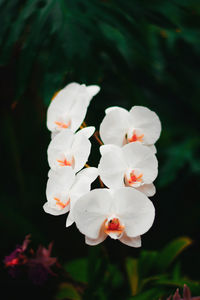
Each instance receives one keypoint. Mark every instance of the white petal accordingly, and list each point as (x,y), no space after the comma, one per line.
(90,172)
(82,183)
(63,177)
(112,167)
(148,189)
(114,126)
(90,211)
(70,219)
(148,121)
(81,186)
(94,242)
(81,148)
(141,157)
(109,109)
(107,148)
(134,209)
(61,105)
(58,186)
(101,237)
(135,152)
(69,105)
(93,90)
(149,167)
(87,131)
(131,241)
(153,148)
(78,112)
(61,144)
(54,133)
(55,212)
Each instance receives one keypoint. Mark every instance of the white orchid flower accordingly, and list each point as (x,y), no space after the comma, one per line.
(68,108)
(123,214)
(69,149)
(64,188)
(120,126)
(132,165)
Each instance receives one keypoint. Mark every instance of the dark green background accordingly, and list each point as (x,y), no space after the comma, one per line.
(140,52)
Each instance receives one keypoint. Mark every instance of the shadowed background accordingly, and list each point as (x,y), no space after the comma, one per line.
(140,53)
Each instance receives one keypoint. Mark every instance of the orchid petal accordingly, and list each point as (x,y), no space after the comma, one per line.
(86,131)
(81,148)
(54,212)
(114,126)
(94,242)
(63,177)
(58,187)
(82,183)
(61,143)
(93,90)
(144,118)
(131,241)
(153,148)
(111,167)
(141,157)
(61,104)
(107,148)
(148,189)
(69,106)
(81,186)
(90,212)
(134,209)
(109,109)
(101,237)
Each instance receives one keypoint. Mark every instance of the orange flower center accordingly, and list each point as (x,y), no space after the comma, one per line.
(133,178)
(62,124)
(114,226)
(60,203)
(64,162)
(135,137)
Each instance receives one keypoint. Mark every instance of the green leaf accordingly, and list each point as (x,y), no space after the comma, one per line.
(176,273)
(171,251)
(147,261)
(151,294)
(67,291)
(113,276)
(78,269)
(132,272)
(193,285)
(97,269)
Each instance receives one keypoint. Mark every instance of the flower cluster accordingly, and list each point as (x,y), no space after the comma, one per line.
(69,149)
(127,168)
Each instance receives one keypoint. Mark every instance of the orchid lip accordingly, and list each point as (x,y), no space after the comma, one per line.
(134,135)
(133,178)
(61,204)
(66,161)
(114,228)
(62,124)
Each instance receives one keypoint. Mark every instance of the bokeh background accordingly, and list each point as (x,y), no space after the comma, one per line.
(139,52)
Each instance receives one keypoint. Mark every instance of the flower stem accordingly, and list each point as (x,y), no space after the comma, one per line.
(96,136)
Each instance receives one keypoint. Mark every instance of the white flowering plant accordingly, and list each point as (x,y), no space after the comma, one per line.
(120,207)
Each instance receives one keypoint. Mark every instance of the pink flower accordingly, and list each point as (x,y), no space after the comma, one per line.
(186,295)
(40,266)
(17,257)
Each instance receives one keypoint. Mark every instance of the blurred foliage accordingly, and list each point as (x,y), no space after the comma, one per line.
(140,52)
(152,275)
